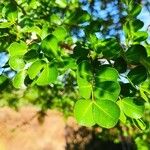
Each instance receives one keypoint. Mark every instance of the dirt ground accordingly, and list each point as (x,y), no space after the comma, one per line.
(23,131)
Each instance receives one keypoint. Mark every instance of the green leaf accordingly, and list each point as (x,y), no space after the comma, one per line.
(49,46)
(106,74)
(135,53)
(132,26)
(80,52)
(122,117)
(69,63)
(48,75)
(55,19)
(106,113)
(85,88)
(35,68)
(10,11)
(140,36)
(78,16)
(16,63)
(32,29)
(6,25)
(111,48)
(120,65)
(146,63)
(18,80)
(60,33)
(132,107)
(3,78)
(106,84)
(83,112)
(136,9)
(31,56)
(17,49)
(139,123)
(107,90)
(145,90)
(61,3)
(84,70)
(137,75)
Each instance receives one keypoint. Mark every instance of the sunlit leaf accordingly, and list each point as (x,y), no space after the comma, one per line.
(106,113)
(49,45)
(48,75)
(83,112)
(17,49)
(35,68)
(17,63)
(132,107)
(18,80)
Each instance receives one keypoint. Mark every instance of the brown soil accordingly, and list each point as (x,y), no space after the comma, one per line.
(23,131)
(27,130)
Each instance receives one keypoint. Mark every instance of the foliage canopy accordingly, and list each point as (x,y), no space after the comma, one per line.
(45,41)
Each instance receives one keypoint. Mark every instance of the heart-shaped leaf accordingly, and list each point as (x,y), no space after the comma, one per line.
(103,112)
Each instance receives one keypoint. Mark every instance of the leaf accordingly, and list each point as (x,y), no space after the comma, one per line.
(83,112)
(139,123)
(61,3)
(16,63)
(145,90)
(78,16)
(60,33)
(85,88)
(31,56)
(132,107)
(69,63)
(55,19)
(32,29)
(106,74)
(6,25)
(35,68)
(111,48)
(3,78)
(132,26)
(17,49)
(84,70)
(136,9)
(122,117)
(103,112)
(106,113)
(11,12)
(49,45)
(120,65)
(135,53)
(107,90)
(140,36)
(18,80)
(137,75)
(48,75)
(146,63)
(80,52)
(127,90)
